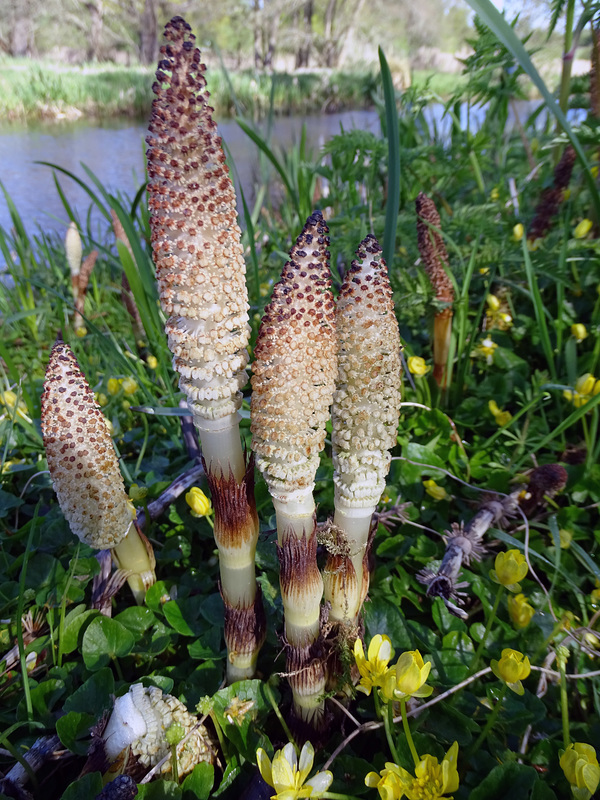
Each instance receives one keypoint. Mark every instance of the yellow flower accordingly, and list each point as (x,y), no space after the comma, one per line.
(579,331)
(373,668)
(81,332)
(518,232)
(501,417)
(535,245)
(509,568)
(417,366)
(585,384)
(437,492)
(485,349)
(566,537)
(494,194)
(388,783)
(137,493)
(101,399)
(129,385)
(512,668)
(431,781)
(288,776)
(484,270)
(519,610)
(152,362)
(580,765)
(594,172)
(8,399)
(113,386)
(493,302)
(407,678)
(198,502)
(582,230)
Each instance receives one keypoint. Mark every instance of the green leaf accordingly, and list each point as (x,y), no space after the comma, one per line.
(506,780)
(182,615)
(104,640)
(94,694)
(422,456)
(159,790)
(75,623)
(84,788)
(136,619)
(8,502)
(198,784)
(240,710)
(44,697)
(393,139)
(72,727)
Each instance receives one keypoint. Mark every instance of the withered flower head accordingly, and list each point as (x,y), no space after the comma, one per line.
(195,236)
(81,457)
(140,722)
(366,402)
(295,368)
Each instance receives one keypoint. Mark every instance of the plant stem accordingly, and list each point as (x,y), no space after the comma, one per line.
(561,657)
(388,722)
(488,628)
(336,796)
(271,698)
(407,733)
(488,725)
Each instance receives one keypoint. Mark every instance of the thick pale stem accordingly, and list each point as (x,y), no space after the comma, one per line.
(238,582)
(134,554)
(221,445)
(296,515)
(442,335)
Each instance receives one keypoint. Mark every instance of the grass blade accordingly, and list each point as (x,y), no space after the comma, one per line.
(393,137)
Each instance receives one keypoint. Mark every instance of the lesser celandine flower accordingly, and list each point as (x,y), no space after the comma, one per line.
(407,678)
(485,349)
(509,568)
(519,610)
(579,331)
(152,362)
(512,668)
(434,490)
(518,232)
(374,667)
(113,385)
(417,366)
(582,229)
(8,399)
(198,502)
(431,780)
(586,387)
(288,776)
(580,765)
(501,417)
(129,385)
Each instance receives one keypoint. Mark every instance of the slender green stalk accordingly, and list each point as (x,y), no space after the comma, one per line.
(539,310)
(271,698)
(408,734)
(567,59)
(489,724)
(562,655)
(20,609)
(388,724)
(488,628)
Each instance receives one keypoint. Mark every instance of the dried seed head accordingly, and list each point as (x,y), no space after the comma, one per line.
(432,248)
(81,457)
(366,402)
(140,721)
(295,368)
(195,236)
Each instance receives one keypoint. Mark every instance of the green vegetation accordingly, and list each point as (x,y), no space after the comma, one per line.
(512,675)
(41,90)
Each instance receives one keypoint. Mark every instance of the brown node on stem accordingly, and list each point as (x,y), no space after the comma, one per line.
(236,519)
(245,629)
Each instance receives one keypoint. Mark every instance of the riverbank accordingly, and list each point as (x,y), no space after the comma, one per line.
(39,90)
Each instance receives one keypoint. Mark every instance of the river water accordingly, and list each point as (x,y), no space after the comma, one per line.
(114,151)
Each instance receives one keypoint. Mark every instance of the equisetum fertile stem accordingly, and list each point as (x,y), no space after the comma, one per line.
(366,409)
(201,276)
(85,471)
(292,388)
(435,262)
